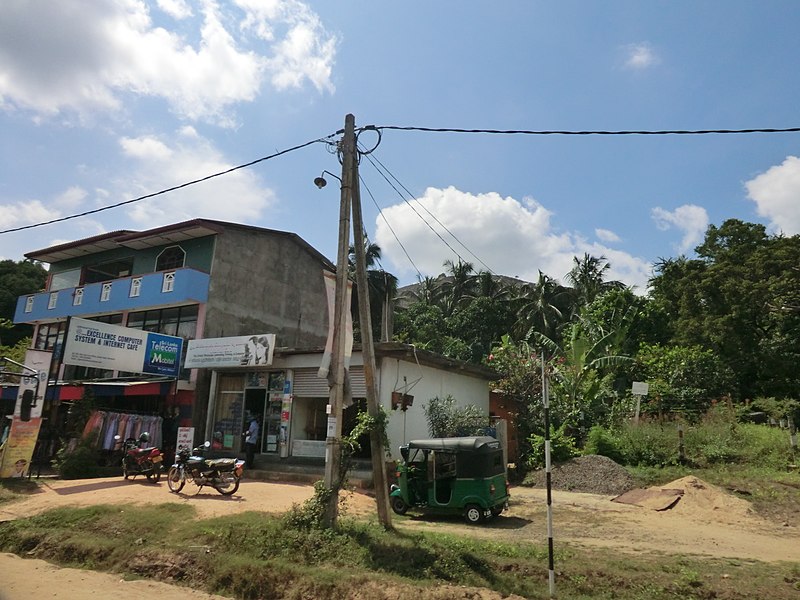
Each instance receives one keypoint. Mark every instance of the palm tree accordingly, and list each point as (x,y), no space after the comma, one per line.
(587,279)
(540,308)
(459,283)
(382,288)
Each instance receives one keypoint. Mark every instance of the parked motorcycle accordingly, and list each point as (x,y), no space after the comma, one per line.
(139,458)
(192,468)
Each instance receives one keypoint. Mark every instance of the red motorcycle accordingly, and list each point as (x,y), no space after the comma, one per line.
(138,458)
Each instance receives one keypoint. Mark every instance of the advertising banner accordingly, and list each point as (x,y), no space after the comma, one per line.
(115,348)
(21,443)
(238,351)
(185,438)
(330,290)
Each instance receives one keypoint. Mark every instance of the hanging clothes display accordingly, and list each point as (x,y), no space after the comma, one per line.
(104,426)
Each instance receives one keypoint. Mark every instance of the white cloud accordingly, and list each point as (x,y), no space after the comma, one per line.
(692,220)
(57,56)
(511,237)
(71,198)
(604,235)
(777,195)
(24,213)
(640,56)
(237,196)
(177,9)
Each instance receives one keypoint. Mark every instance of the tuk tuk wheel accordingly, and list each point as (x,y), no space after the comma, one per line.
(398,505)
(496,510)
(473,514)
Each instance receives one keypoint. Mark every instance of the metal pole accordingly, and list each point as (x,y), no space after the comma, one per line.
(376,442)
(333,448)
(551,574)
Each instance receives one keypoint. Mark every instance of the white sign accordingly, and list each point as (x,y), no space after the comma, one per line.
(115,348)
(640,388)
(185,438)
(240,351)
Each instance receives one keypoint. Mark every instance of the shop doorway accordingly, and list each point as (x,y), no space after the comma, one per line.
(266,406)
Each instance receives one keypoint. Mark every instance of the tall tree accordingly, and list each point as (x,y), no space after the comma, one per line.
(18,279)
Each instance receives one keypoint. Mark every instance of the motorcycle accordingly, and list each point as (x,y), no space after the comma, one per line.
(140,459)
(192,468)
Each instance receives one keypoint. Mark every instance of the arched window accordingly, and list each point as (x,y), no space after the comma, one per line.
(170,258)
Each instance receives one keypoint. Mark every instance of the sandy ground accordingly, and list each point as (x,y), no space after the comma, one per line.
(706,521)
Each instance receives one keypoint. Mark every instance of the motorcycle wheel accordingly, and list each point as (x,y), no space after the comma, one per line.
(175,479)
(227,484)
(398,505)
(154,475)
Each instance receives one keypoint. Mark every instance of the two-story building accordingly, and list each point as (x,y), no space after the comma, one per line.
(210,280)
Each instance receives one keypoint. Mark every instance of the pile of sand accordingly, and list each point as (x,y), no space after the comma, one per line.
(708,502)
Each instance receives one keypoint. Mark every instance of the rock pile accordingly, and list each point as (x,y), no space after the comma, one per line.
(591,474)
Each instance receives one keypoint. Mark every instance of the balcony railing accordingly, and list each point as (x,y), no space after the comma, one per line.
(149,290)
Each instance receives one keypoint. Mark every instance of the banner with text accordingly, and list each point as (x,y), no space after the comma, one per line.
(238,351)
(115,348)
(26,420)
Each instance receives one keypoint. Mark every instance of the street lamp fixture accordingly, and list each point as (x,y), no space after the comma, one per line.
(320,181)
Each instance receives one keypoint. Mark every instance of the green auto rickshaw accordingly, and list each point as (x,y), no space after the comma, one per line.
(463,475)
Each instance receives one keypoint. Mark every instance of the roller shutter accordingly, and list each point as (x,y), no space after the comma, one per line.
(306,384)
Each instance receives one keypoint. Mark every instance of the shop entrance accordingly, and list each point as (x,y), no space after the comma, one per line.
(266,406)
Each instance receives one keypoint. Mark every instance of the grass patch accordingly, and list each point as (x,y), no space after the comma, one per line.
(256,555)
(14,489)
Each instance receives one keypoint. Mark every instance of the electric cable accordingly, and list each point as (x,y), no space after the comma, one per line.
(380,212)
(436,233)
(171,189)
(443,226)
(586,132)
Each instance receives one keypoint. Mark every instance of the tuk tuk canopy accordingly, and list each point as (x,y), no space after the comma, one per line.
(478,444)
(474,457)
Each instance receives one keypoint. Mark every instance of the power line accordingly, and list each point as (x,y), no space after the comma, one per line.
(380,212)
(586,132)
(453,235)
(403,198)
(171,189)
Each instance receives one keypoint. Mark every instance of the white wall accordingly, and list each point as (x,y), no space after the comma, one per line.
(423,383)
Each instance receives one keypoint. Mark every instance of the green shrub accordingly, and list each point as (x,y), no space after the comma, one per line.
(79,462)
(562,448)
(602,441)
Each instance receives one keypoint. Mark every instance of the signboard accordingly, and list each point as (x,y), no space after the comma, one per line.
(26,421)
(185,438)
(115,348)
(639,388)
(239,351)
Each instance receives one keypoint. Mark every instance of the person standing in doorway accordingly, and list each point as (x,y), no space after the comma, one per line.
(251,440)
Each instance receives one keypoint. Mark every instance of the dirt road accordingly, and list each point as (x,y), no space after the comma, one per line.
(706,521)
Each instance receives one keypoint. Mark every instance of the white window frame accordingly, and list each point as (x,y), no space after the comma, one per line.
(136,287)
(105,293)
(183,262)
(77,298)
(29,304)
(52,300)
(168,283)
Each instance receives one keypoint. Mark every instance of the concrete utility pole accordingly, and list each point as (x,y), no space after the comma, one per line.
(333,448)
(351,200)
(379,479)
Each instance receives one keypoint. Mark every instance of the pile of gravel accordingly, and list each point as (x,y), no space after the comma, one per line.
(592,474)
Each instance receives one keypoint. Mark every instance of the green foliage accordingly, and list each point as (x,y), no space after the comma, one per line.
(603,442)
(78,462)
(717,440)
(15,352)
(683,379)
(447,419)
(17,279)
(562,448)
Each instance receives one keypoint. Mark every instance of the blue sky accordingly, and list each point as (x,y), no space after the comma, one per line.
(104,102)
